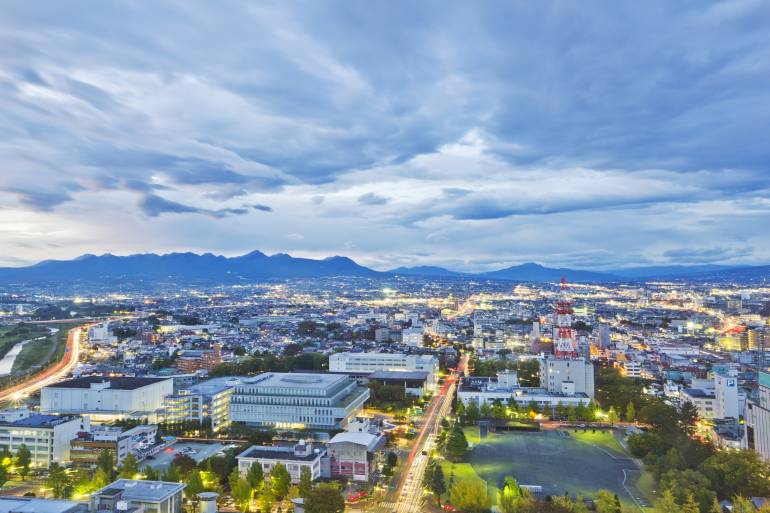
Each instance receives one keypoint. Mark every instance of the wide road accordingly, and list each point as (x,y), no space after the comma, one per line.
(52,374)
(410,489)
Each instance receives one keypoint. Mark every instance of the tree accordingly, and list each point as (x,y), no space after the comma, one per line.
(434,479)
(470,495)
(280,480)
(194,484)
(688,482)
(324,498)
(630,412)
(457,444)
(266,500)
(734,473)
(305,481)
(3,474)
(23,460)
(255,476)
(58,480)
(129,468)
(667,504)
(472,413)
(105,462)
(241,492)
(183,463)
(151,474)
(605,502)
(688,417)
(172,474)
(512,498)
(612,416)
(486,410)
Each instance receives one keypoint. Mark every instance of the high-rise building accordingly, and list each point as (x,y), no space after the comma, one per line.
(604,336)
(757,435)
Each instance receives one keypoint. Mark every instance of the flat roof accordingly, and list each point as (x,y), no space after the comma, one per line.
(39,421)
(116,383)
(296,380)
(699,392)
(9,504)
(277,453)
(152,491)
(412,375)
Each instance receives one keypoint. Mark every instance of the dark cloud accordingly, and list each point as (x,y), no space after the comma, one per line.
(262,208)
(39,199)
(707,255)
(371,198)
(153,205)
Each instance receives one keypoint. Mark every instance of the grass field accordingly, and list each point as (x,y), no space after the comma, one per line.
(39,352)
(12,335)
(561,462)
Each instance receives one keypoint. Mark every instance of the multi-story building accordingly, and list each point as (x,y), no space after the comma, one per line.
(120,443)
(412,336)
(191,360)
(506,388)
(757,435)
(301,455)
(208,400)
(567,376)
(145,496)
(352,454)
(106,398)
(373,362)
(46,436)
(726,397)
(297,401)
(703,399)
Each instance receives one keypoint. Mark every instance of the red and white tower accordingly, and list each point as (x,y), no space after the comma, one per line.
(564,342)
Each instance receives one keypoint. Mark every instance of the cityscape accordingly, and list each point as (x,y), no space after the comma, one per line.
(384,257)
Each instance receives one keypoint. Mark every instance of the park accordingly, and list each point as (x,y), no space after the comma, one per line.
(557,462)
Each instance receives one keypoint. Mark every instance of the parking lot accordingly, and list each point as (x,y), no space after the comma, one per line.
(197,451)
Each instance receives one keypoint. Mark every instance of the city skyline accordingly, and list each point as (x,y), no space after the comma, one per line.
(470,137)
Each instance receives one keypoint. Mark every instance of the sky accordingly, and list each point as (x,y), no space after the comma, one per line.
(472,135)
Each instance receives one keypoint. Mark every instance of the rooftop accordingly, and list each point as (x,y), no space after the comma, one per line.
(368,440)
(411,375)
(278,453)
(10,504)
(39,421)
(115,383)
(152,491)
(296,380)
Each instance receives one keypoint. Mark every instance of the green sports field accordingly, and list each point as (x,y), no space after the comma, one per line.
(560,461)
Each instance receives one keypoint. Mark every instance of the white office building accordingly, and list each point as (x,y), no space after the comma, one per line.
(302,455)
(47,437)
(412,337)
(297,401)
(726,397)
(373,362)
(131,495)
(567,376)
(106,398)
(506,388)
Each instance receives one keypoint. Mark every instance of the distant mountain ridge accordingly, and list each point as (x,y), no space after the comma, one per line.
(208,268)
(179,267)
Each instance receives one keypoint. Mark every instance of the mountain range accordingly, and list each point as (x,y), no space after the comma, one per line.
(210,268)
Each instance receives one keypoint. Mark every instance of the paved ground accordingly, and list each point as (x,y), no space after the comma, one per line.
(163,459)
(557,461)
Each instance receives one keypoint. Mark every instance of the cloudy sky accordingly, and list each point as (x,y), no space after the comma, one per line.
(472,135)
